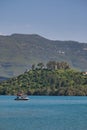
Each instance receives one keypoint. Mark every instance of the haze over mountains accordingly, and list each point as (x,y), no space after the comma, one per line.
(19,51)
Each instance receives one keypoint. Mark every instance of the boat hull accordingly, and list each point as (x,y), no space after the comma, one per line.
(21,99)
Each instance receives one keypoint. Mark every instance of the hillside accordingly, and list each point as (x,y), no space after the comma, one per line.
(47,81)
(18,52)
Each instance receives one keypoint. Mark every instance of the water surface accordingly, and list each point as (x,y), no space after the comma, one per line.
(43,113)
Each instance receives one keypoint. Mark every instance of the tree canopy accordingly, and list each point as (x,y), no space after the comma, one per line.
(56,78)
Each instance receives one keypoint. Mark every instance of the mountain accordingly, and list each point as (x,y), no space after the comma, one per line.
(19,51)
(3,78)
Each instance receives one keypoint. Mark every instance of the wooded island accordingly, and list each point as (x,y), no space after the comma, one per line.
(55,78)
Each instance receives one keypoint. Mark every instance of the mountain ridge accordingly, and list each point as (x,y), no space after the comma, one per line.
(19,51)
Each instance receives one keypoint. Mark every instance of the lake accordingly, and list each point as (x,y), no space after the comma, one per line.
(44,113)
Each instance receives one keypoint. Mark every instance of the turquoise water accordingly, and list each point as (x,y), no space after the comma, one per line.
(43,113)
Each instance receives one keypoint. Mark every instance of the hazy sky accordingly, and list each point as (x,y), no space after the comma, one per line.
(52,19)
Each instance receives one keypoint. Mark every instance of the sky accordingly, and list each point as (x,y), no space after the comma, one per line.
(52,19)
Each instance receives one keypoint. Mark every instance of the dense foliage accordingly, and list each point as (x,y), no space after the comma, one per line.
(54,79)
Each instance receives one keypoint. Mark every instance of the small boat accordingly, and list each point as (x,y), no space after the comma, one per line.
(21,97)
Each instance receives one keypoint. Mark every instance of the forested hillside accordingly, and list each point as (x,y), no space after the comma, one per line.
(18,52)
(57,78)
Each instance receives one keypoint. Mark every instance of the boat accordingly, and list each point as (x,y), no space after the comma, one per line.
(21,96)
